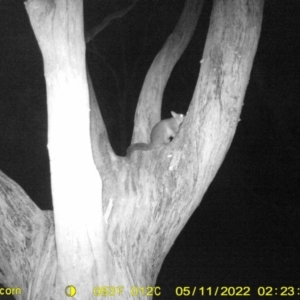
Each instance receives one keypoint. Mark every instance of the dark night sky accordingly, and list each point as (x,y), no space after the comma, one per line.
(246,230)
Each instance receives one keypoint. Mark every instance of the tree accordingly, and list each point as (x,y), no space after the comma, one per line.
(116,219)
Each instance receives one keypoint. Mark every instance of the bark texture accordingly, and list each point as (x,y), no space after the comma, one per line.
(75,181)
(164,186)
(27,246)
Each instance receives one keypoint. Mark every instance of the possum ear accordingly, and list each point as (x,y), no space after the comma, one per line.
(174,115)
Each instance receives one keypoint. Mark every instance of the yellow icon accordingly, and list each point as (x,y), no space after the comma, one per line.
(70,291)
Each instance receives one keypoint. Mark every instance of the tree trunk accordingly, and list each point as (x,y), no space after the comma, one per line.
(76,184)
(165,185)
(122,242)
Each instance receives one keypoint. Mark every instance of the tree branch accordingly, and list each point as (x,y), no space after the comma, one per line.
(149,104)
(24,229)
(119,14)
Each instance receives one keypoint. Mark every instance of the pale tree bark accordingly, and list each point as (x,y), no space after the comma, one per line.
(122,241)
(76,184)
(168,183)
(27,245)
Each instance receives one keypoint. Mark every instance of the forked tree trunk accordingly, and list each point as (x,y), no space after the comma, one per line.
(122,241)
